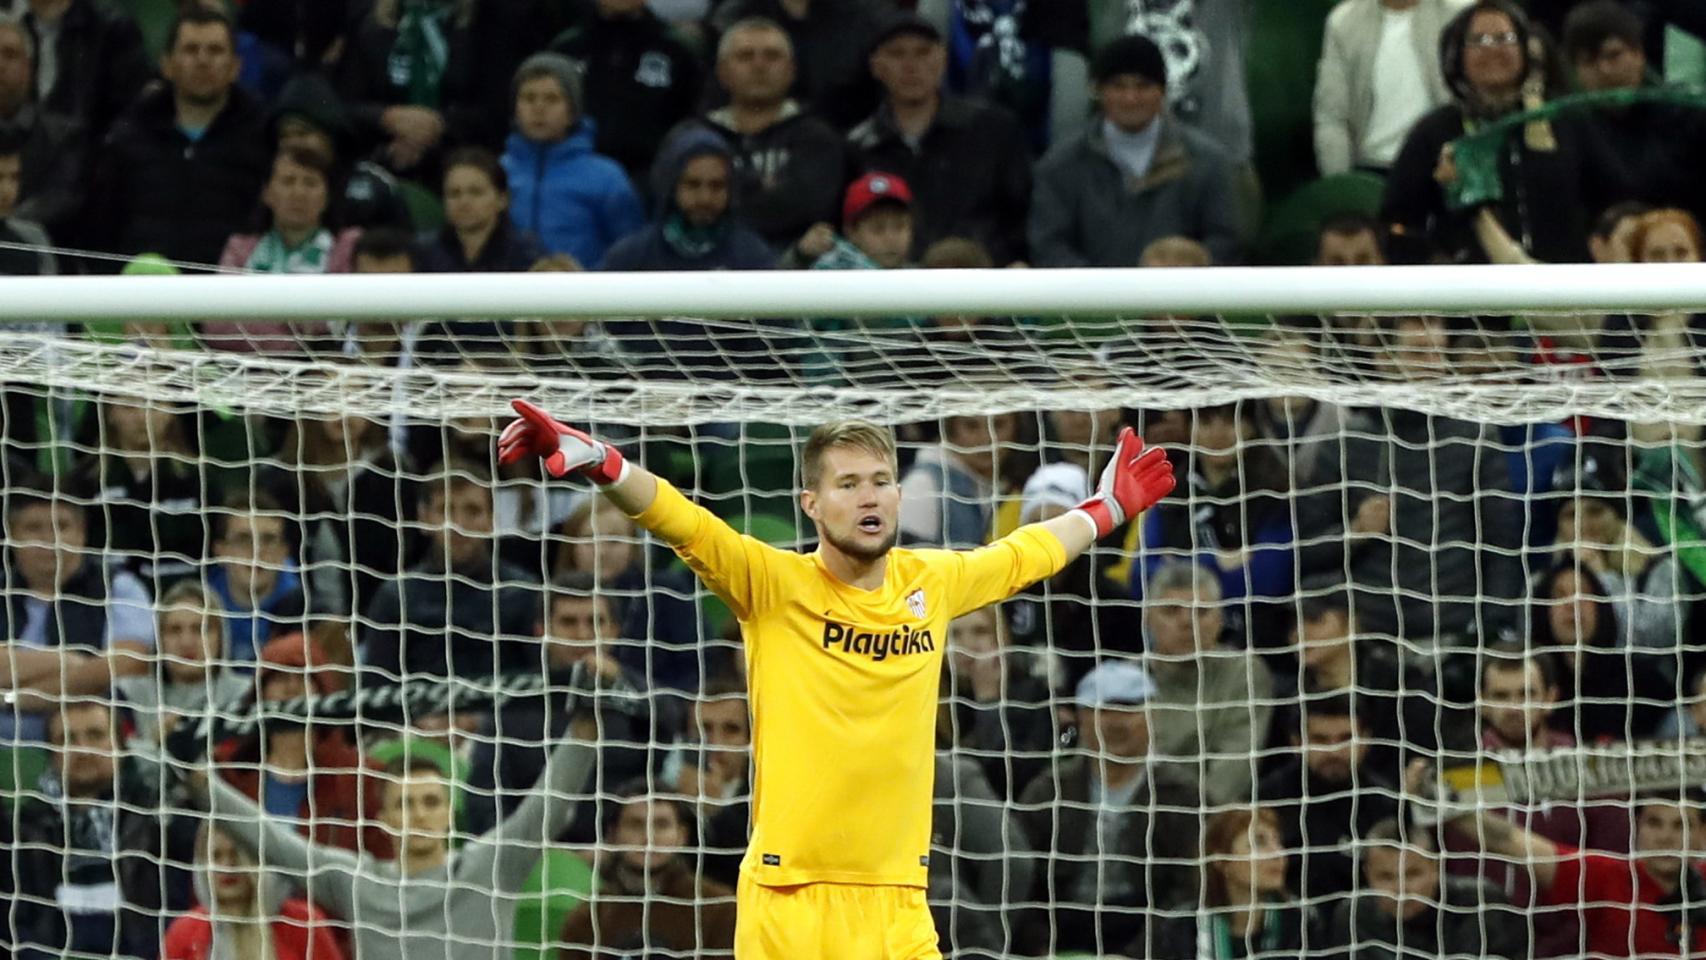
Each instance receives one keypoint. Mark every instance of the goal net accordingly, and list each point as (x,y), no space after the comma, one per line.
(1408,663)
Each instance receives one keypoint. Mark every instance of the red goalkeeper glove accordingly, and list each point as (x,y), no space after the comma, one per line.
(563,448)
(1135,479)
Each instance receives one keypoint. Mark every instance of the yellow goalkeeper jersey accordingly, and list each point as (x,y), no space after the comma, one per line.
(843,686)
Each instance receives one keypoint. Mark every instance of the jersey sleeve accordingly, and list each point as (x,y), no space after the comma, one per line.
(1574,877)
(737,568)
(986,575)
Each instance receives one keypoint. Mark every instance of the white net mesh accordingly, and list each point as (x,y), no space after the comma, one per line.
(495,719)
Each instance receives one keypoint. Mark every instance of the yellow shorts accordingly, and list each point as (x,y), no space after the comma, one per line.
(833,921)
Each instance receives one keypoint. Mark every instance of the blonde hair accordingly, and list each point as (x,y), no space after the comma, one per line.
(858,434)
(1175,252)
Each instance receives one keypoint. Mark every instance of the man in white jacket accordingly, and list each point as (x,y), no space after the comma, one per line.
(1379,73)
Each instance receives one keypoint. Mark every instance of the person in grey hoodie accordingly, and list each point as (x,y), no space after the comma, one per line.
(194,670)
(1133,176)
(432,902)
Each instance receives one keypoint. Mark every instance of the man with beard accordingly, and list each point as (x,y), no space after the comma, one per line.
(844,654)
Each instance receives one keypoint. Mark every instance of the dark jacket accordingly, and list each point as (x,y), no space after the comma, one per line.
(791,173)
(678,916)
(1321,819)
(508,250)
(55,162)
(831,45)
(1473,920)
(145,849)
(474,623)
(1150,864)
(970,174)
(1087,213)
(155,525)
(102,63)
(1455,529)
(30,258)
(363,194)
(158,191)
(1080,614)
(734,248)
(640,81)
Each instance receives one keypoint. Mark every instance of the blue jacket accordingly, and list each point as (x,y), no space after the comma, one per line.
(246,630)
(578,202)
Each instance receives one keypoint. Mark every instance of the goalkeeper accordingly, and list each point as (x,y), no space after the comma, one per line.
(844,657)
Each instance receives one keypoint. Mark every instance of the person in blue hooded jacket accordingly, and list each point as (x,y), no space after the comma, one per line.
(577,201)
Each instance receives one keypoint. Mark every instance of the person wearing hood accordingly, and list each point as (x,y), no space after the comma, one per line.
(1619,676)
(308,114)
(1555,172)
(193,672)
(577,201)
(306,774)
(790,164)
(695,227)
(245,912)
(477,234)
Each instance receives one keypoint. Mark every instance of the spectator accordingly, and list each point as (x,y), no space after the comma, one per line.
(196,129)
(254,574)
(478,234)
(52,148)
(1449,488)
(1555,169)
(35,258)
(1350,240)
(89,59)
(1409,906)
(71,624)
(1619,681)
(1213,700)
(1117,827)
(1624,902)
(830,39)
(1203,44)
(946,494)
(1231,514)
(977,865)
(410,75)
(876,229)
(1379,73)
(1404,709)
(1248,907)
(789,165)
(1604,43)
(351,486)
(410,906)
(641,79)
(242,910)
(306,773)
(457,611)
(1082,614)
(194,672)
(294,207)
(308,114)
(696,226)
(968,163)
(1133,175)
(1326,794)
(994,711)
(144,475)
(655,605)
(505,765)
(92,860)
(715,767)
(576,201)
(647,898)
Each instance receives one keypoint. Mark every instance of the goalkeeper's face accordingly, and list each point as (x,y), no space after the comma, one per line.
(856,503)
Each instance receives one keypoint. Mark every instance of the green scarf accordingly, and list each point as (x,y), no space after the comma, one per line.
(272,256)
(691,241)
(1214,935)
(419,55)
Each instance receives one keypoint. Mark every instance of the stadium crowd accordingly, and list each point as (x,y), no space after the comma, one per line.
(1209,741)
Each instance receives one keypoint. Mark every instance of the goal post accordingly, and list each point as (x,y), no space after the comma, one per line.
(1433,567)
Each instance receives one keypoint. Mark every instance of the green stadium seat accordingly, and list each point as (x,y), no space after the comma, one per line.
(154,18)
(1288,237)
(20,769)
(754,475)
(561,883)
(774,530)
(426,211)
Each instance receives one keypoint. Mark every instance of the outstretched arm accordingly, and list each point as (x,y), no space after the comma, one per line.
(1492,832)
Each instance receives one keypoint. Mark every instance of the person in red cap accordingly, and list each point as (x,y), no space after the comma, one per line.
(876,224)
